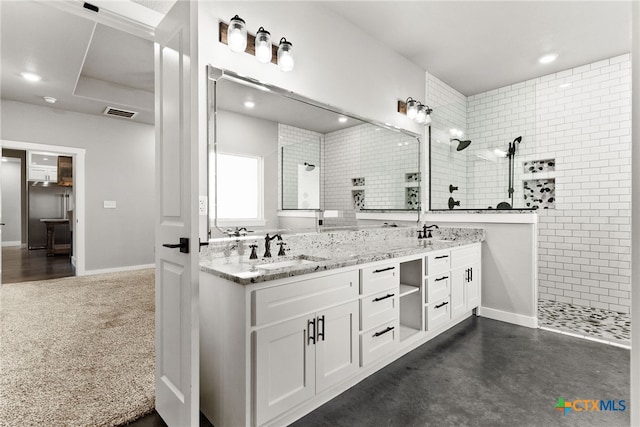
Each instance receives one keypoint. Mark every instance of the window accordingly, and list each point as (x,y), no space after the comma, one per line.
(239,190)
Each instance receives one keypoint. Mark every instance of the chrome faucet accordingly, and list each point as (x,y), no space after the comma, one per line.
(267,244)
(237,232)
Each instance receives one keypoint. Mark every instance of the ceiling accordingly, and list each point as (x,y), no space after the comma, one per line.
(474,46)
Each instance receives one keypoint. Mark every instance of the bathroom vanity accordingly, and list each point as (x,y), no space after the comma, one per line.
(279,337)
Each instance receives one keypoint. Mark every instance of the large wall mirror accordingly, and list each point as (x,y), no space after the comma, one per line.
(272,152)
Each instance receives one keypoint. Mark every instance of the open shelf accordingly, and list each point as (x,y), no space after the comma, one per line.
(407,331)
(408,289)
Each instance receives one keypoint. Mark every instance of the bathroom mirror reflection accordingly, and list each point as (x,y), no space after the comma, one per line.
(274,156)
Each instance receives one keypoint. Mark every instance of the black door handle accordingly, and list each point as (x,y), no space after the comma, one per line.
(183,245)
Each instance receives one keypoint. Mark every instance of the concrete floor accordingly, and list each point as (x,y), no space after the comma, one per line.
(483,373)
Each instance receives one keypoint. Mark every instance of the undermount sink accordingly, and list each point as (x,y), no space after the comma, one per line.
(296,262)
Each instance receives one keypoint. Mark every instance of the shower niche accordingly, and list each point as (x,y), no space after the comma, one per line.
(539,184)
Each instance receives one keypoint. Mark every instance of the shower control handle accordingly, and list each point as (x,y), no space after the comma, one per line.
(452,188)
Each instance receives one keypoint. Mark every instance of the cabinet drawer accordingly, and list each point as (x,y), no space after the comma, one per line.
(438,262)
(465,256)
(378,308)
(377,279)
(437,314)
(378,342)
(293,299)
(438,287)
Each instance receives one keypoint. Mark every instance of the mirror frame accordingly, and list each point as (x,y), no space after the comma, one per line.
(214,74)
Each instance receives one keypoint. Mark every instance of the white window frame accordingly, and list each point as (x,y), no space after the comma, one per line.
(233,222)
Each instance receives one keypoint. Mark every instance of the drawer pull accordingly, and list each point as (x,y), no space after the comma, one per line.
(383,269)
(384,297)
(441,278)
(442,256)
(442,305)
(311,336)
(377,334)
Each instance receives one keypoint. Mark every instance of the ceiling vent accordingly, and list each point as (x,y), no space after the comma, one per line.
(118,112)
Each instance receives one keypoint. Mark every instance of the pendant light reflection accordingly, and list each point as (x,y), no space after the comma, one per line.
(237,34)
(263,46)
(285,58)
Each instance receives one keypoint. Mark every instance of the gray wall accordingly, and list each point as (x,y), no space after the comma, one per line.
(120,164)
(11,202)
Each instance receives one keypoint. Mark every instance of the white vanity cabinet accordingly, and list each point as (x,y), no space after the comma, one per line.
(379,311)
(298,358)
(452,284)
(273,351)
(465,283)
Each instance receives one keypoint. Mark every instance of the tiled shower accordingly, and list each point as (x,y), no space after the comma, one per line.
(573,165)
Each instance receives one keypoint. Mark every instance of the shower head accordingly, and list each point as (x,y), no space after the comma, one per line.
(309,166)
(462,144)
(518,139)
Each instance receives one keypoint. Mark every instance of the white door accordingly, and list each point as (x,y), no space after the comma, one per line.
(337,345)
(458,283)
(177,350)
(285,366)
(1,223)
(473,286)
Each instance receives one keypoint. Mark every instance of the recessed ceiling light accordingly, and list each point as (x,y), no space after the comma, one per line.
(32,77)
(249,104)
(546,59)
(342,119)
(50,99)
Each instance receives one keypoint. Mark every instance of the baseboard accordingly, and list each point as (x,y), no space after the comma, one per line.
(118,269)
(12,243)
(505,316)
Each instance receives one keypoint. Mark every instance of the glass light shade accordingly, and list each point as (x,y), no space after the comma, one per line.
(237,34)
(427,120)
(412,108)
(263,46)
(285,58)
(421,115)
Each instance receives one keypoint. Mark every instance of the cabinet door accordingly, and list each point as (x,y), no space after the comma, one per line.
(336,344)
(458,284)
(37,174)
(473,286)
(285,366)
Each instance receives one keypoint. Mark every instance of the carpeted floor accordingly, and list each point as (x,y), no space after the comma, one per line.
(77,351)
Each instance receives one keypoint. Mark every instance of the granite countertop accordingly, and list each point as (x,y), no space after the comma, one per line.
(241,270)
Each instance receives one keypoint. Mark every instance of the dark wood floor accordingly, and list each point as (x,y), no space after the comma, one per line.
(24,265)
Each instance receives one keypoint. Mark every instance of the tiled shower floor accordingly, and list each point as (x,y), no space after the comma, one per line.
(590,322)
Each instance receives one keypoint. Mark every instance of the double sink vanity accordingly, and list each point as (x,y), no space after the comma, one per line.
(280,336)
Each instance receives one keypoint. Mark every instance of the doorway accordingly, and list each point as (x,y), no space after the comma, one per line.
(44,233)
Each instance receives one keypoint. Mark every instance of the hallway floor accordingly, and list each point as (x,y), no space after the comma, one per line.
(24,265)
(483,373)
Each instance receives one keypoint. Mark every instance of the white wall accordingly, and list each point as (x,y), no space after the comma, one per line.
(119,166)
(11,202)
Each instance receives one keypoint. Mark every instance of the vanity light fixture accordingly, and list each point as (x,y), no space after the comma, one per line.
(263,46)
(415,110)
(285,58)
(237,34)
(412,108)
(234,34)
